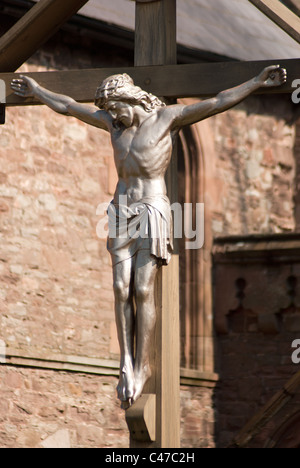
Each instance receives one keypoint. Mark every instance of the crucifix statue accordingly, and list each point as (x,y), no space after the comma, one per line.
(143,130)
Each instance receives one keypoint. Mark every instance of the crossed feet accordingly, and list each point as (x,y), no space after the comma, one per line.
(131,383)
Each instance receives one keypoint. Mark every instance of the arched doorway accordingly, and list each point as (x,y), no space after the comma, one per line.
(197,349)
(288,435)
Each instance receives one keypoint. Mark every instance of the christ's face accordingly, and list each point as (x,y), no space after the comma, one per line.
(120,112)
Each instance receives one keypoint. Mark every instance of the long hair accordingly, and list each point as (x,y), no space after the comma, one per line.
(122,88)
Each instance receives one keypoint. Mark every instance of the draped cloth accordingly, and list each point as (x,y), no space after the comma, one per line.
(145,225)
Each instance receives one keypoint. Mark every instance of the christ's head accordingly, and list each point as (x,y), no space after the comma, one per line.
(118,95)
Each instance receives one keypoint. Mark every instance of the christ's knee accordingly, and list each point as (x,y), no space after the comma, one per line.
(144,294)
(121,291)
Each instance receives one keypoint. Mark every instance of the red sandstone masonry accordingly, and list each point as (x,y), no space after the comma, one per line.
(83,411)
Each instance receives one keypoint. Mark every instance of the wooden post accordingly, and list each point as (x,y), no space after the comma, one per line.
(155,44)
(155,33)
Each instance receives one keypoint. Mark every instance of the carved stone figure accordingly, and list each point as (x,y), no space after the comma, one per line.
(142,130)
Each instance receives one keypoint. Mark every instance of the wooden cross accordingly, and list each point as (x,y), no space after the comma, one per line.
(155,44)
(155,71)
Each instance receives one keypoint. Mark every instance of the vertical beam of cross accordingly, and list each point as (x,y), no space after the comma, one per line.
(155,44)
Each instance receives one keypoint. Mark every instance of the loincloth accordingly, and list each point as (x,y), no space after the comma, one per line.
(146,225)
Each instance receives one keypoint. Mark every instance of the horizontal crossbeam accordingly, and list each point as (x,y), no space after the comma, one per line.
(171,81)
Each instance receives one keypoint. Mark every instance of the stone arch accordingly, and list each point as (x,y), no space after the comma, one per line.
(197,184)
(288,434)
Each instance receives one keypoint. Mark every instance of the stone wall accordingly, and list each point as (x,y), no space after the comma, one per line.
(55,274)
(254,168)
(50,409)
(198,417)
(257,320)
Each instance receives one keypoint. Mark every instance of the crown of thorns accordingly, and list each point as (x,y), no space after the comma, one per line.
(110,87)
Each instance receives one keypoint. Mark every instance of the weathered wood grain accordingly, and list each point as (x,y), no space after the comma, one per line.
(170,81)
(156,44)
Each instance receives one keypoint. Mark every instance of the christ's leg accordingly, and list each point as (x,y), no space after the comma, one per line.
(124,310)
(145,272)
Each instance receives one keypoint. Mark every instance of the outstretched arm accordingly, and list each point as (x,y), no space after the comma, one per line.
(186,115)
(28,87)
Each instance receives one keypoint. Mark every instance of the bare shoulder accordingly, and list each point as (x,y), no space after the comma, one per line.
(180,115)
(170,115)
(90,114)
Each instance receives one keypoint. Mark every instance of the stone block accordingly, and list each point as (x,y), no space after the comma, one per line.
(59,440)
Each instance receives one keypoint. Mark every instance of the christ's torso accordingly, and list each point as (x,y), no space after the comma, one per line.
(142,155)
